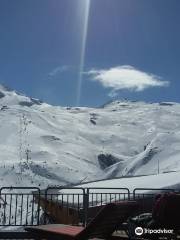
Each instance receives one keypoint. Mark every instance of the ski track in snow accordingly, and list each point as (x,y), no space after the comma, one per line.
(44,145)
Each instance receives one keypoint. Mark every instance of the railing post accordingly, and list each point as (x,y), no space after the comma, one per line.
(38,208)
(85,206)
(134,194)
(45,206)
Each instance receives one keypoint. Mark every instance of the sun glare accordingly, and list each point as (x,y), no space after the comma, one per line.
(85,9)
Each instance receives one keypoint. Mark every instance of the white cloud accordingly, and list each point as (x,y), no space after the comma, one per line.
(58,70)
(126,77)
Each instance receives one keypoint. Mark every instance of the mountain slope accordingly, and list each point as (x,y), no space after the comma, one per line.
(45,145)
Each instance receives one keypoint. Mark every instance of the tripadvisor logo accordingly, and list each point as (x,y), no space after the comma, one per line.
(139,231)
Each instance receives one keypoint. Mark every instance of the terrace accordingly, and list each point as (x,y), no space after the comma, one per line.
(31,207)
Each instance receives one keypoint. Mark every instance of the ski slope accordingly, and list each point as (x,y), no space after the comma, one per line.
(43,145)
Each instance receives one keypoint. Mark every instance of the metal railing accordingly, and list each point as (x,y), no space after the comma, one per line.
(107,195)
(67,205)
(18,206)
(97,197)
(64,204)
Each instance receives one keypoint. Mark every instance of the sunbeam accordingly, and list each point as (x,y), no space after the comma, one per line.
(85,4)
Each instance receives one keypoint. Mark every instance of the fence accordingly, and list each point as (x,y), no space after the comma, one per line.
(18,206)
(31,206)
(63,205)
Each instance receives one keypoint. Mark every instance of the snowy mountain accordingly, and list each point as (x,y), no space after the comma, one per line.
(44,145)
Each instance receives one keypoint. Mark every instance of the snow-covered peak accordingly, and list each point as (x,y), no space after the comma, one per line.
(44,145)
(10,97)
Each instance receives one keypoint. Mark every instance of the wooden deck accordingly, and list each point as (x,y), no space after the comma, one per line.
(119,235)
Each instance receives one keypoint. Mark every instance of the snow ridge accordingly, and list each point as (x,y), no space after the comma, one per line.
(43,145)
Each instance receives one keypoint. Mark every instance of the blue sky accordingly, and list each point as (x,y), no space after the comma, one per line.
(56,50)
